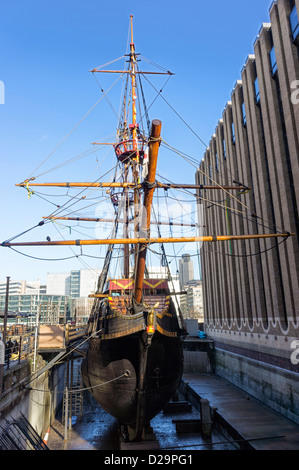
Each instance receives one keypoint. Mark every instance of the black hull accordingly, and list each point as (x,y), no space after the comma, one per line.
(132,381)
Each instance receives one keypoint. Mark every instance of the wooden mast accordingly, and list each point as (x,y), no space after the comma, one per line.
(135,161)
(134,96)
(149,188)
(126,248)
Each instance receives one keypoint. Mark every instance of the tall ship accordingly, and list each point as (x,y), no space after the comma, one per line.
(135,332)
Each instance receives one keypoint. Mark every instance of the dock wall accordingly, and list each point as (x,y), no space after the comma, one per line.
(277,388)
(38,401)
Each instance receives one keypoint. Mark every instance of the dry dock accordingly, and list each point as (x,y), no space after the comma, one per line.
(239,422)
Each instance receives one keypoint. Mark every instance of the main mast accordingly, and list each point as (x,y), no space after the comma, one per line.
(134,96)
(130,151)
(134,131)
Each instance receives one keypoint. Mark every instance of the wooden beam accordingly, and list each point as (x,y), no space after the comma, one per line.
(129,71)
(96,219)
(99,296)
(131,185)
(150,241)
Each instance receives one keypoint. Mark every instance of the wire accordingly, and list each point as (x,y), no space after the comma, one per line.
(251,254)
(67,162)
(69,352)
(43,259)
(26,231)
(106,97)
(66,258)
(226,254)
(213,181)
(232,210)
(190,128)
(108,63)
(73,391)
(82,119)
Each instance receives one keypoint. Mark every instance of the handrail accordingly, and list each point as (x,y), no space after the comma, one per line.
(20,346)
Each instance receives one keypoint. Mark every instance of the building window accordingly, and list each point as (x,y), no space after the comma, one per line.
(233,133)
(273,61)
(224,149)
(216,159)
(257,91)
(294,24)
(243,114)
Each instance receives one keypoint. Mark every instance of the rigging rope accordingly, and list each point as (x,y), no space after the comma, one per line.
(191,160)
(190,128)
(212,180)
(81,120)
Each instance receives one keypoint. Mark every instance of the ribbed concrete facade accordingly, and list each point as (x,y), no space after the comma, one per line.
(251,288)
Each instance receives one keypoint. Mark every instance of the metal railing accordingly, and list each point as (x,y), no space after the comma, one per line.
(20,341)
(18,347)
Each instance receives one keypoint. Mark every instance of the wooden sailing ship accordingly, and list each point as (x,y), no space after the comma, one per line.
(135,331)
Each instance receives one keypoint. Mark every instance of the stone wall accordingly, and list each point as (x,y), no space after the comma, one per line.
(38,401)
(276,388)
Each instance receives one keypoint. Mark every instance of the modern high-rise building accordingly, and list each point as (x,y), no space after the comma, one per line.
(192,302)
(251,288)
(77,283)
(51,308)
(30,298)
(186,270)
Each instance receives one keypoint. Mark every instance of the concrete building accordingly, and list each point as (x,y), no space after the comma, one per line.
(192,302)
(77,283)
(251,288)
(51,308)
(186,270)
(23,287)
(80,309)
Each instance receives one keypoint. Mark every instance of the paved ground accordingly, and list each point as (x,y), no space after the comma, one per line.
(245,416)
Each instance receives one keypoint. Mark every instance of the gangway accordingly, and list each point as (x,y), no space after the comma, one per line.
(56,338)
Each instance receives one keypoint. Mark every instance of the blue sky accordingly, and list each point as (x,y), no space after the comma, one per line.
(46,52)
